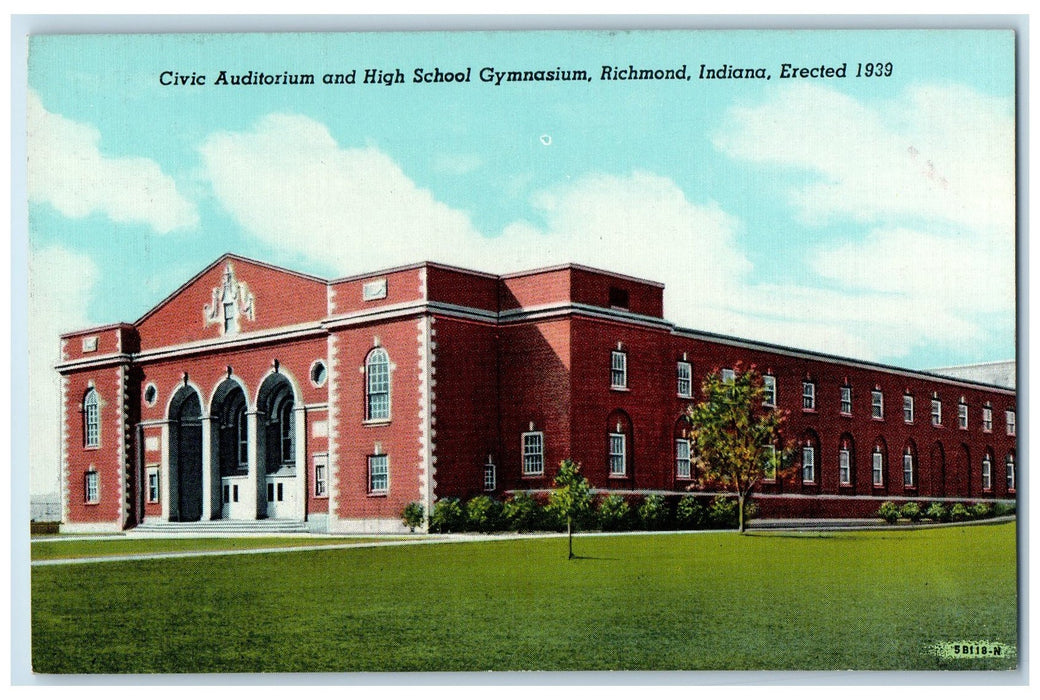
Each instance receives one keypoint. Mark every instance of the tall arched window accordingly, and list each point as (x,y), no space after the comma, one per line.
(279,435)
(285,426)
(377,385)
(91,419)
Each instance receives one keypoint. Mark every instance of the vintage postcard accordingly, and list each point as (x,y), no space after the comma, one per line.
(523,351)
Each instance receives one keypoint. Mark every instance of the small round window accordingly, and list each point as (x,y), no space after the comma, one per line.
(319,373)
(150,394)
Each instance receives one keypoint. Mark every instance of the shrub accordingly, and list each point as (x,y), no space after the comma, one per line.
(911,511)
(44,527)
(937,512)
(521,512)
(653,513)
(1000,509)
(447,516)
(982,510)
(483,514)
(888,512)
(690,513)
(413,516)
(614,513)
(959,513)
(722,512)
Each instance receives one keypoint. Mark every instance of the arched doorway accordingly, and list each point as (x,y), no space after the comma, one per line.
(185,455)
(279,476)
(230,452)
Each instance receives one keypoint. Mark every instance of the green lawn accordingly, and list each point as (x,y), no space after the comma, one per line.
(847,600)
(76,549)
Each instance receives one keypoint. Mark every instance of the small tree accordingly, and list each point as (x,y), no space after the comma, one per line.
(414,515)
(571,498)
(735,439)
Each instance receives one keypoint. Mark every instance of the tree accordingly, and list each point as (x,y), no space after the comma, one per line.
(734,438)
(571,498)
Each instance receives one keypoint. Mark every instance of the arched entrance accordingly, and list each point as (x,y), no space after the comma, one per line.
(281,478)
(185,455)
(230,452)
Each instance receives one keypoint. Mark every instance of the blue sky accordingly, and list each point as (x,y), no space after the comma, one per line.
(869,217)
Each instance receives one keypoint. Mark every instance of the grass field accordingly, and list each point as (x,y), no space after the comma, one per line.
(846,600)
(77,549)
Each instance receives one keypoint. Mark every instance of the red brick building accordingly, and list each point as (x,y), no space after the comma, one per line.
(254,392)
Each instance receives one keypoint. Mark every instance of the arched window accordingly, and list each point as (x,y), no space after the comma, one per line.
(285,433)
(377,385)
(619,445)
(279,451)
(91,419)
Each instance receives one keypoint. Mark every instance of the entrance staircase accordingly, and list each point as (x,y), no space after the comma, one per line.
(222,527)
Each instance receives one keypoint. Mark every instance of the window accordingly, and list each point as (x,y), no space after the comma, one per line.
(1009,416)
(534,459)
(808,464)
(908,408)
(769,382)
(319,373)
(808,396)
(936,412)
(618,297)
(769,468)
(962,415)
(285,431)
(878,463)
(844,467)
(91,419)
(153,485)
(846,400)
(617,454)
(242,436)
(682,458)
(229,317)
(908,469)
(877,404)
(489,477)
(377,385)
(90,487)
(321,477)
(728,375)
(987,473)
(684,379)
(1009,467)
(150,394)
(618,369)
(378,474)
(987,419)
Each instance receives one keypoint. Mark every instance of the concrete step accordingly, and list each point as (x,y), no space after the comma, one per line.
(223,527)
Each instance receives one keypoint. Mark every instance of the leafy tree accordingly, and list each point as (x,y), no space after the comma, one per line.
(734,438)
(571,498)
(414,515)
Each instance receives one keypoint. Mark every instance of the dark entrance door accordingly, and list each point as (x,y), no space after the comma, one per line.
(186,418)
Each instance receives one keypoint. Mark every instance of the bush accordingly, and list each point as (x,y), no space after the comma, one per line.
(690,513)
(959,513)
(937,512)
(44,527)
(888,512)
(722,512)
(982,510)
(414,515)
(1000,509)
(483,514)
(653,513)
(521,513)
(614,513)
(447,516)
(911,511)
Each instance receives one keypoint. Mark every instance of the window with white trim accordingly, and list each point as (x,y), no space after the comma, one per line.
(489,477)
(533,451)
(878,467)
(808,464)
(808,396)
(321,476)
(936,412)
(877,404)
(769,384)
(618,450)
(844,467)
(909,469)
(846,400)
(728,375)
(1009,417)
(377,385)
(962,415)
(908,408)
(684,379)
(987,473)
(769,466)
(153,485)
(91,490)
(682,459)
(378,474)
(987,419)
(1009,470)
(618,369)
(91,419)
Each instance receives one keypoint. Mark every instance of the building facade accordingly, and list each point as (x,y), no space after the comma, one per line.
(254,392)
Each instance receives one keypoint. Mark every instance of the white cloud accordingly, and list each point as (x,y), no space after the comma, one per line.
(67,170)
(60,282)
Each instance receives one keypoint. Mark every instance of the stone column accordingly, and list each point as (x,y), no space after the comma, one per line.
(254,482)
(207,469)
